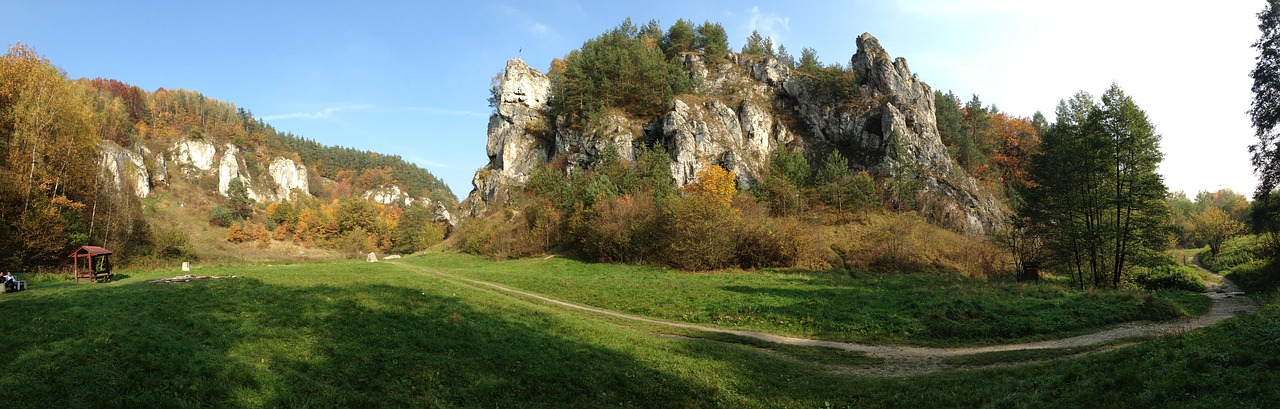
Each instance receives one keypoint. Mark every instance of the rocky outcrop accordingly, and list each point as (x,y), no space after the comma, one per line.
(518,132)
(747,108)
(125,168)
(197,154)
(288,176)
(229,168)
(392,194)
(389,194)
(739,139)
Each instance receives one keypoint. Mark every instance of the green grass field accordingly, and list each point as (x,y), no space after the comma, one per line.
(922,309)
(355,334)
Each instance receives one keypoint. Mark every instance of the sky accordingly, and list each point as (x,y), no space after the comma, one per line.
(411,78)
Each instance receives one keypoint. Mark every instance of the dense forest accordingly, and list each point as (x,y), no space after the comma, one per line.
(55,194)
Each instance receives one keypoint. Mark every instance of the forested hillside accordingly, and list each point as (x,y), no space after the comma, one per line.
(80,158)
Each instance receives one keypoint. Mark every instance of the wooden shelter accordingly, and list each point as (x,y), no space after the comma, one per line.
(91,263)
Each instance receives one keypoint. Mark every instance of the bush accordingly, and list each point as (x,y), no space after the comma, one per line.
(220,216)
(172,244)
(503,233)
(622,229)
(700,230)
(354,243)
(1169,277)
(775,242)
(1261,279)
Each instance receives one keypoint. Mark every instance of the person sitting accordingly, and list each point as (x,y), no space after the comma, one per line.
(11,282)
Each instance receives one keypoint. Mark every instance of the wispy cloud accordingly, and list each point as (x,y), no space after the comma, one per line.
(323,113)
(769,25)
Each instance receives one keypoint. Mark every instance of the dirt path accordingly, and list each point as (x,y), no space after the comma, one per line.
(903,360)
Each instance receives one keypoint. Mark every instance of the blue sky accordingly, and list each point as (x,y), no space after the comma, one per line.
(411,78)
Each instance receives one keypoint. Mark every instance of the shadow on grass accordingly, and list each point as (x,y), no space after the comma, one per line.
(240,342)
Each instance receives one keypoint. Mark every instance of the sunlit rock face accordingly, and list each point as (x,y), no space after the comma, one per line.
(125,169)
(746,107)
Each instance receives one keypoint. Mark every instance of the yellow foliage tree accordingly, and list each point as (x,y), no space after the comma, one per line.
(716,183)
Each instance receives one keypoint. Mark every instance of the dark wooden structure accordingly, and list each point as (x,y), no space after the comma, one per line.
(1030,271)
(91,263)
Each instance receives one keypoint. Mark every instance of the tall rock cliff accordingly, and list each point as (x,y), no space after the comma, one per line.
(746,108)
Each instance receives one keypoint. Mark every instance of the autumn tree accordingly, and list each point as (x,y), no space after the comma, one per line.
(48,150)
(716,183)
(1214,227)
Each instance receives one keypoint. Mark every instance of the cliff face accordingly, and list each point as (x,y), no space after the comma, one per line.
(746,108)
(280,179)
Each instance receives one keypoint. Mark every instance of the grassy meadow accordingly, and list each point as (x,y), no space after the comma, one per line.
(356,334)
(932,309)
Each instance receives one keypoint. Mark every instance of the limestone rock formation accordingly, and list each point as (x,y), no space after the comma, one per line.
(125,168)
(518,131)
(740,139)
(288,176)
(195,153)
(392,194)
(746,108)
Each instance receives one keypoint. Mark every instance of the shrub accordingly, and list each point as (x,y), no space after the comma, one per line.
(716,183)
(503,233)
(622,229)
(1234,252)
(354,243)
(415,231)
(172,244)
(700,230)
(775,242)
(1169,277)
(220,216)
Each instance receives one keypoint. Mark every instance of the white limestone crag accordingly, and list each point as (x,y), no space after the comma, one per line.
(288,176)
(125,168)
(197,154)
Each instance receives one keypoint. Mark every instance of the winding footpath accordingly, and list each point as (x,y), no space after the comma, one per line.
(905,360)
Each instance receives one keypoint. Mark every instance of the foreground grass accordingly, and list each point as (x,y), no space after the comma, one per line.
(349,334)
(924,309)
